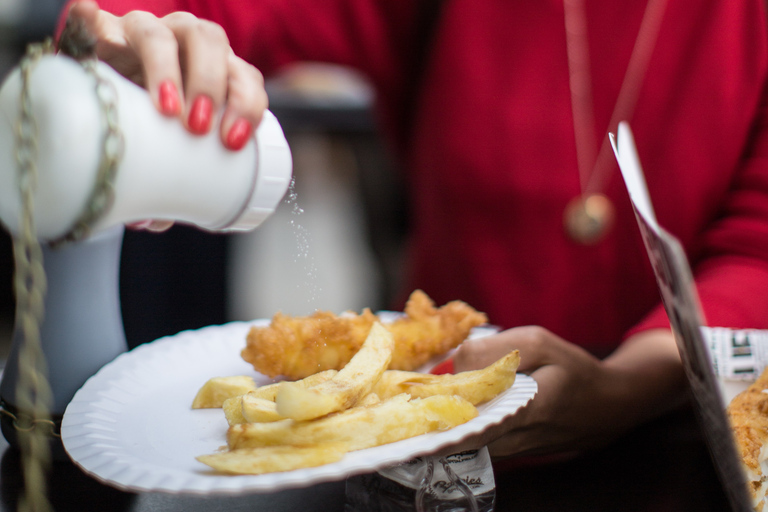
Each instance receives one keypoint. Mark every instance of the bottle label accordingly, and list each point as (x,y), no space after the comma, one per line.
(473,467)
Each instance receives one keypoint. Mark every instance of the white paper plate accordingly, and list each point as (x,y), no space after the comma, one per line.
(131,425)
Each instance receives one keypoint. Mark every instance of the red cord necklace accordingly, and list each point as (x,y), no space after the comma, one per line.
(590,216)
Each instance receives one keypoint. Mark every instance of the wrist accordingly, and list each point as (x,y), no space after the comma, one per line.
(645,376)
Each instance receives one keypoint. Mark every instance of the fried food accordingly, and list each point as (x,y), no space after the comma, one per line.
(233,410)
(259,404)
(296,347)
(258,410)
(269,392)
(218,389)
(345,388)
(748,414)
(360,427)
(316,420)
(256,461)
(477,387)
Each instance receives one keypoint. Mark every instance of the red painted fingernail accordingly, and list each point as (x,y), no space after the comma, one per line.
(239,134)
(169,98)
(200,116)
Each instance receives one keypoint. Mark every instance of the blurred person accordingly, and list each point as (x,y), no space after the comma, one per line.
(498,112)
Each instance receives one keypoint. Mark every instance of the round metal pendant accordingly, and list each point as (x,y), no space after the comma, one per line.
(589,218)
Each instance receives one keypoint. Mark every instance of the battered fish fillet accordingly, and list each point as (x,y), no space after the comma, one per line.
(748,414)
(296,347)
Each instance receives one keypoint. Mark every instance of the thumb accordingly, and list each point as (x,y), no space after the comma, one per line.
(76,38)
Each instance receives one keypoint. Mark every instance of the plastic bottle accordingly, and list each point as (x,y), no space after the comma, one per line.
(165,172)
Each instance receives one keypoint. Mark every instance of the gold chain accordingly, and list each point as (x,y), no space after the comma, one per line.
(23,422)
(33,393)
(103,193)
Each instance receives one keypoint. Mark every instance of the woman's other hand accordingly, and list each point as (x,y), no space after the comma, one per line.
(185,63)
(582,402)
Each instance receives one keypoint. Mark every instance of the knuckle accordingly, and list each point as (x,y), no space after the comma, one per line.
(255,75)
(181,18)
(140,17)
(152,32)
(535,335)
(211,32)
(248,93)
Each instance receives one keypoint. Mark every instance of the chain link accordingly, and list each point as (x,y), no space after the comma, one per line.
(33,393)
(112,148)
(27,423)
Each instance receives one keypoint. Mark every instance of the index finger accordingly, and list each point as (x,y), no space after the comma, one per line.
(157,49)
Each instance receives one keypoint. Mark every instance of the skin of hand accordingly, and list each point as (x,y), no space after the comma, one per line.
(582,402)
(187,66)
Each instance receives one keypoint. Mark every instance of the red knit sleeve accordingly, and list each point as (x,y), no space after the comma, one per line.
(732,272)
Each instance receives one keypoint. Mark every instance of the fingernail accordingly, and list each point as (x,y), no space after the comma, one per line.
(169,98)
(239,134)
(200,116)
(142,224)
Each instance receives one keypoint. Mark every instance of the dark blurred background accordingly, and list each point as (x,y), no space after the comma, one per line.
(335,247)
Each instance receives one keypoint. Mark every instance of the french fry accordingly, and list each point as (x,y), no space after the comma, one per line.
(394,382)
(258,410)
(477,386)
(269,392)
(359,427)
(316,420)
(260,404)
(256,461)
(213,393)
(233,410)
(265,411)
(345,388)
(369,399)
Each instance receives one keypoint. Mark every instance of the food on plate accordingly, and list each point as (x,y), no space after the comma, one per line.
(233,410)
(256,461)
(259,404)
(748,414)
(296,347)
(476,386)
(313,397)
(369,399)
(269,392)
(218,389)
(316,420)
(360,427)
(344,389)
(258,410)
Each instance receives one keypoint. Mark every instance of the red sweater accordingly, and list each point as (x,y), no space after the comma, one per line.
(491,155)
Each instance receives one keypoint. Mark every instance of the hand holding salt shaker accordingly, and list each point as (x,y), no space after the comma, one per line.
(165,172)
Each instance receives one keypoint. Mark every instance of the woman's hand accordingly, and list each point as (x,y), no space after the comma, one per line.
(188,68)
(582,402)
(185,63)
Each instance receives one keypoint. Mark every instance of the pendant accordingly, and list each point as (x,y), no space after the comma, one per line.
(588,219)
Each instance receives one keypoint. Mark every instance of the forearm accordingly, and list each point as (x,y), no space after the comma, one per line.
(644,377)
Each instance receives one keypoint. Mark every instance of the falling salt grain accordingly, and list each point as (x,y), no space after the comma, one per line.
(303,239)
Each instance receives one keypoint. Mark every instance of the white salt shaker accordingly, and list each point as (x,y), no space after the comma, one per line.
(165,173)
